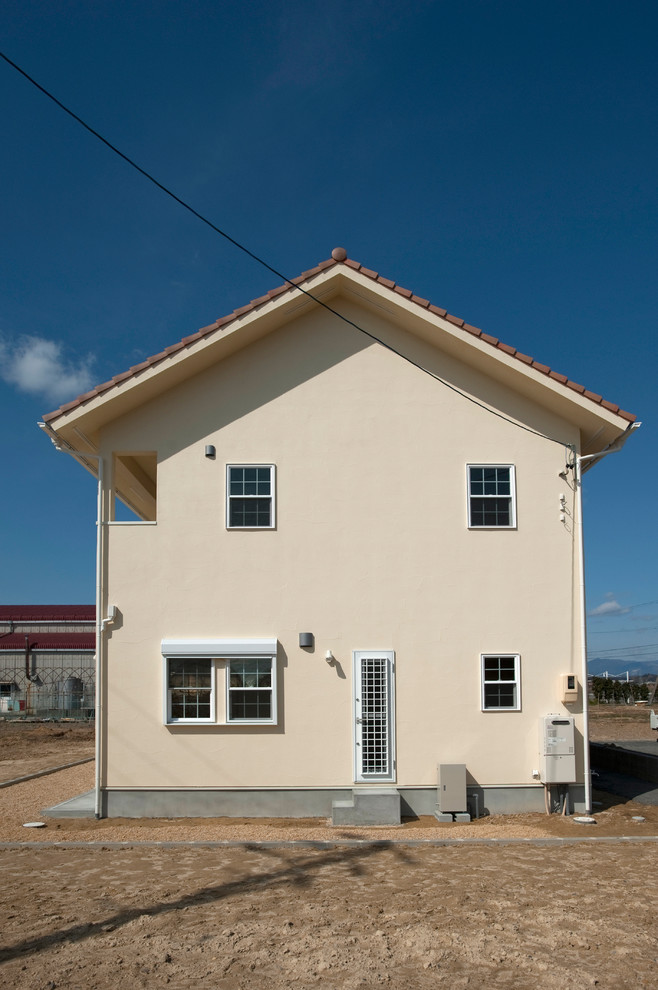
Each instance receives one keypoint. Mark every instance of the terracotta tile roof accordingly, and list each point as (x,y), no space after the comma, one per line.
(49,641)
(339,256)
(48,613)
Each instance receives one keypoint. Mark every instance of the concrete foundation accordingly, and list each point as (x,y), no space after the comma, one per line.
(313,802)
(368,806)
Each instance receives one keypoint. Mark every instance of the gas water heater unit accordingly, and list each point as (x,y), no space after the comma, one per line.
(557,750)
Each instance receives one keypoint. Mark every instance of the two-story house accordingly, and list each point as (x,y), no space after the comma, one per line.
(356,555)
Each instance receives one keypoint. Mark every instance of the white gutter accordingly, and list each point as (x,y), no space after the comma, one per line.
(62,445)
(614,448)
(587,767)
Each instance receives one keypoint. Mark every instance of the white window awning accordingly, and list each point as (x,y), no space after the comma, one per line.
(219,647)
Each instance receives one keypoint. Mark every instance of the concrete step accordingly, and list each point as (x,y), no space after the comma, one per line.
(369,806)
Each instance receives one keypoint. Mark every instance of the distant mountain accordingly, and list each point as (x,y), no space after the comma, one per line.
(617,668)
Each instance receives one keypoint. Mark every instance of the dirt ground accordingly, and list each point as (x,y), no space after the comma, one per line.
(246,919)
(365,915)
(27,747)
(608,723)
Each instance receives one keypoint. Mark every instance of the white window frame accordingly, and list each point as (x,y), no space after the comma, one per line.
(512,495)
(271,689)
(272,496)
(516,657)
(168,717)
(220,652)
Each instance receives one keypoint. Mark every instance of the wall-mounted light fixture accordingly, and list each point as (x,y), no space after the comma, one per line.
(210,450)
(306,640)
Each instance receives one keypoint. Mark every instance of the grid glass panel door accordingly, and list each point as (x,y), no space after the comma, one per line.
(373,696)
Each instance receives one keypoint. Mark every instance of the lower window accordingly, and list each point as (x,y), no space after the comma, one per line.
(501,683)
(220,690)
(250,690)
(190,690)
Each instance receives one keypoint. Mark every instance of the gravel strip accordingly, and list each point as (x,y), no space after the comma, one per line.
(24,802)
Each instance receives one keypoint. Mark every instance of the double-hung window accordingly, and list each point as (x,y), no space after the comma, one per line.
(220,682)
(250,690)
(190,690)
(501,683)
(250,496)
(491,496)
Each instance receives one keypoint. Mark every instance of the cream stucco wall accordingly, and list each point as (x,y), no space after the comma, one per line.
(371,550)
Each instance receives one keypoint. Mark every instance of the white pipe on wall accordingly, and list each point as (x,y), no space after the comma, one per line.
(583,636)
(62,445)
(613,448)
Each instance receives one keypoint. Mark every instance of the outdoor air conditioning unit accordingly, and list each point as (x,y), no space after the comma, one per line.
(557,750)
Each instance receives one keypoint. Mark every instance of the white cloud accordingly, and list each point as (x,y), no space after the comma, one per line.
(611,607)
(39,367)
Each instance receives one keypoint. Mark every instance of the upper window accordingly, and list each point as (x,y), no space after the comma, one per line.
(491,502)
(501,686)
(250,496)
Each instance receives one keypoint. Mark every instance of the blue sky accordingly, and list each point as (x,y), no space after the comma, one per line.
(498,158)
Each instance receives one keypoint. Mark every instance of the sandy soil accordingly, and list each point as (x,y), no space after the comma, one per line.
(27,747)
(608,723)
(245,918)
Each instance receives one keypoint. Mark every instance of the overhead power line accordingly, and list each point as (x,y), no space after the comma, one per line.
(261,261)
(615,632)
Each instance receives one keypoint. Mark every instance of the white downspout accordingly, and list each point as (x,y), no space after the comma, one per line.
(587,769)
(580,459)
(62,445)
(98,712)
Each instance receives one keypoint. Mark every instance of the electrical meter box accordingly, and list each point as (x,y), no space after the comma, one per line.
(569,684)
(557,749)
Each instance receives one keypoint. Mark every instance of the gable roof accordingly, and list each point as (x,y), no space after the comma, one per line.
(313,287)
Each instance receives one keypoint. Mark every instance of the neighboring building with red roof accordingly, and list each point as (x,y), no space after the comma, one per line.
(47,660)
(340,471)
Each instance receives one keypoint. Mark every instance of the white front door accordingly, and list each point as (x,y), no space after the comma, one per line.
(374,708)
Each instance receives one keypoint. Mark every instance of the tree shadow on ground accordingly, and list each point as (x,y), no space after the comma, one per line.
(298,873)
